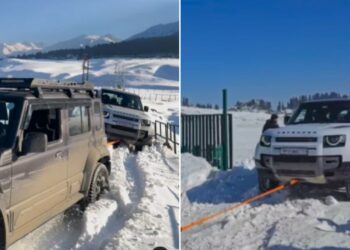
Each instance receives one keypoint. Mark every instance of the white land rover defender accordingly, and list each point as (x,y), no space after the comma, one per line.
(314,146)
(126,119)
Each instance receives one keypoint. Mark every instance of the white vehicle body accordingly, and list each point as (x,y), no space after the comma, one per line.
(127,121)
(307,149)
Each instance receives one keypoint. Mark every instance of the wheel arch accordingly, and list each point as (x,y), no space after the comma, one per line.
(95,157)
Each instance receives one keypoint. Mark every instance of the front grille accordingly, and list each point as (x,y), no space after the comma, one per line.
(126,118)
(132,130)
(294,159)
(284,172)
(296,139)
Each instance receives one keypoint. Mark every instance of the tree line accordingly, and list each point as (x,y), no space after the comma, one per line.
(263,105)
(145,47)
(294,102)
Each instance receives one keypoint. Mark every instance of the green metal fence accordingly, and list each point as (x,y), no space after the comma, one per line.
(168,132)
(205,136)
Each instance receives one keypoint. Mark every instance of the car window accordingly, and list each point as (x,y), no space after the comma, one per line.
(301,116)
(6,112)
(121,99)
(85,119)
(78,120)
(46,121)
(318,112)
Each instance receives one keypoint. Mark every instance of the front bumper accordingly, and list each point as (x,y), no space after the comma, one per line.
(128,135)
(313,169)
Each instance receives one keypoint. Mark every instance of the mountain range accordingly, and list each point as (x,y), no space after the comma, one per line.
(13,49)
(24,48)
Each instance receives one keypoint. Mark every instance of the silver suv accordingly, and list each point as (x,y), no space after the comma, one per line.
(126,119)
(53,152)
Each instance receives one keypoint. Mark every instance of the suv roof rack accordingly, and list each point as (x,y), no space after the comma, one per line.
(37,86)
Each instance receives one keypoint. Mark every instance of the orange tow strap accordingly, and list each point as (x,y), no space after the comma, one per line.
(111,143)
(244,203)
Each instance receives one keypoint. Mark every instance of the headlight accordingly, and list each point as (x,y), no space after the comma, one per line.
(330,141)
(146,123)
(265,141)
(106,114)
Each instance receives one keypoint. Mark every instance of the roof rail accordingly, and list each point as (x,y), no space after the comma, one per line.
(37,85)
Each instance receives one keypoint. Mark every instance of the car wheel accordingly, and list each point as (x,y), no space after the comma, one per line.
(98,186)
(265,182)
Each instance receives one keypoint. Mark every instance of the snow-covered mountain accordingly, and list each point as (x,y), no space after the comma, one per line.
(160,30)
(82,41)
(13,49)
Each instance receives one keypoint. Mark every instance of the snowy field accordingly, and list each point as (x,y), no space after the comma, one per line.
(304,217)
(142,209)
(138,73)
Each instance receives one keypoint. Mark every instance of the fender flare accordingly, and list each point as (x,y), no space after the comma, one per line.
(92,161)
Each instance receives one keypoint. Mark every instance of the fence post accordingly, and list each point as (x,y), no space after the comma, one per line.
(155,130)
(160,129)
(174,135)
(224,131)
(167,136)
(231,139)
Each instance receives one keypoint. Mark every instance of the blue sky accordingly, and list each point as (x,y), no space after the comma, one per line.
(52,21)
(271,49)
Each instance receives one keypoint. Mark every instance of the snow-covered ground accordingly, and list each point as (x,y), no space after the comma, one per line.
(141,73)
(142,209)
(303,217)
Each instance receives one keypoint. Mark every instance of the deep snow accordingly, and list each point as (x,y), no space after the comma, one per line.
(303,217)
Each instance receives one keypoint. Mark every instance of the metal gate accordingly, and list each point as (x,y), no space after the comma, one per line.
(204,135)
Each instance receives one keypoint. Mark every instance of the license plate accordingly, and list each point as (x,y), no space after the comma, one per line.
(294,151)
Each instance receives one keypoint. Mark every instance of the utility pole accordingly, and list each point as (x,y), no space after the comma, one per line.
(86,68)
(224,132)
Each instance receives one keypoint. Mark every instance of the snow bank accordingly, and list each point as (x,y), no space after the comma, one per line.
(168,72)
(194,171)
(96,218)
(138,73)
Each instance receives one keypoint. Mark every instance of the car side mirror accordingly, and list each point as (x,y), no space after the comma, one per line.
(146,108)
(286,119)
(34,142)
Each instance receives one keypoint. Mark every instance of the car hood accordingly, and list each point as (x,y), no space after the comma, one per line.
(137,114)
(316,129)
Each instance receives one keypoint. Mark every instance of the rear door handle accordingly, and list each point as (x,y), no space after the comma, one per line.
(59,155)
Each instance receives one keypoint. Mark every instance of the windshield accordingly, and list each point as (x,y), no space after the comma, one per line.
(121,99)
(9,117)
(322,112)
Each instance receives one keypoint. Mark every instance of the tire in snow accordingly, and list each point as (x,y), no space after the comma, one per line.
(98,186)
(265,181)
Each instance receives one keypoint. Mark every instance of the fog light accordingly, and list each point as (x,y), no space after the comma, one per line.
(267,161)
(331,162)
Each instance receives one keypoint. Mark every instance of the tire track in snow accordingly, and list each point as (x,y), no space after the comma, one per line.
(125,174)
(155,222)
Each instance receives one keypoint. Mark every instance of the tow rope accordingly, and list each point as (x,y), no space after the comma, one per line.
(242,204)
(112,143)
